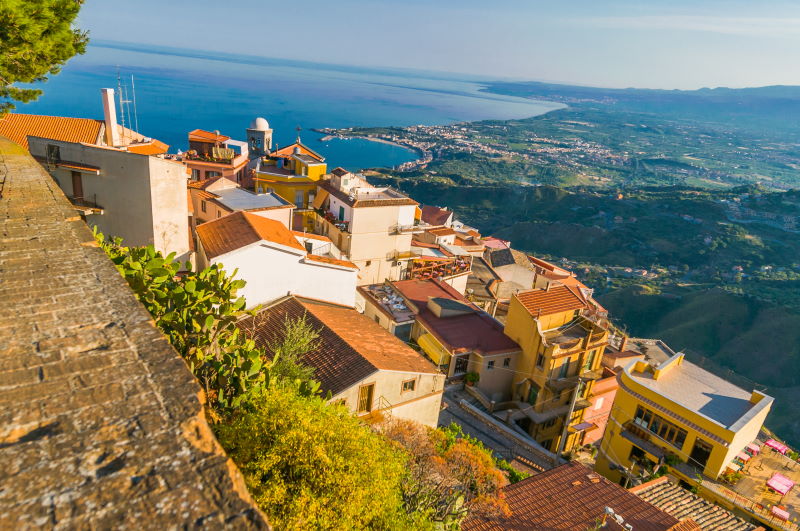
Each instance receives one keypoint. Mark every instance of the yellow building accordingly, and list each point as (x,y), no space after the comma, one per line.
(562,340)
(291,172)
(671,411)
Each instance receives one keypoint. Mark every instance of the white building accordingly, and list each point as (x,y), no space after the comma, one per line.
(362,365)
(117,178)
(275,261)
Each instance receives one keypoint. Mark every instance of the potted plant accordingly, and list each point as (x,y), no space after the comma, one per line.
(471,378)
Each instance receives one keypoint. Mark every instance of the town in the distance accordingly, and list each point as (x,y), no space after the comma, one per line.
(422,317)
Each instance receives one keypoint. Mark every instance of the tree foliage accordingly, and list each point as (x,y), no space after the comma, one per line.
(313,465)
(36,39)
(450,476)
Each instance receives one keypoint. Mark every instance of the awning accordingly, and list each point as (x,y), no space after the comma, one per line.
(85,168)
(431,347)
(583,426)
(320,198)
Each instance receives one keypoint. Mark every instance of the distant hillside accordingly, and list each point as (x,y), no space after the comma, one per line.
(771,111)
(749,336)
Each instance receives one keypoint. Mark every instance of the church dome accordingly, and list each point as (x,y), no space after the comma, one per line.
(259,124)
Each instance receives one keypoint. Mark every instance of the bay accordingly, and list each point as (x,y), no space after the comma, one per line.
(178,90)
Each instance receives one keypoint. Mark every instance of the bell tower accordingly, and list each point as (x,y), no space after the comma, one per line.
(259,137)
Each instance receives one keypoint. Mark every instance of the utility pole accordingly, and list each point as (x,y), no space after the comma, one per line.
(568,419)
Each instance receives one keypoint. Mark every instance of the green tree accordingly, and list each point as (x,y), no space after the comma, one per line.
(298,339)
(197,311)
(313,465)
(36,39)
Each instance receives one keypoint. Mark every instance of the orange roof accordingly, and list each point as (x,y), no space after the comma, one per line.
(442,231)
(311,236)
(334,261)
(154,147)
(200,135)
(205,183)
(239,229)
(288,151)
(557,299)
(17,128)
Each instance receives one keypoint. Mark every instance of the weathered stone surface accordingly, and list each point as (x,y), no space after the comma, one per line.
(101,423)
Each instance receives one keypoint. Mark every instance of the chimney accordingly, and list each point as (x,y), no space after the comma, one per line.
(110,117)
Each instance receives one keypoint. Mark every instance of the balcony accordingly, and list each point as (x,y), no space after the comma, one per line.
(341,225)
(85,206)
(559,384)
(424,269)
(409,229)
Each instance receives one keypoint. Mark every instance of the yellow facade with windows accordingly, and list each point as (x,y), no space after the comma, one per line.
(562,352)
(293,178)
(677,413)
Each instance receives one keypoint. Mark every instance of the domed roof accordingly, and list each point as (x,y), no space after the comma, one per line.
(259,124)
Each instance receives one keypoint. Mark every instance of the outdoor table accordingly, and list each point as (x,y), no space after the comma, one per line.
(753,448)
(779,513)
(777,446)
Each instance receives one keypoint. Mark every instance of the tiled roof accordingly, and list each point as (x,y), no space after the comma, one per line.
(442,231)
(205,183)
(435,215)
(376,202)
(153,147)
(351,346)
(200,135)
(476,331)
(333,261)
(683,504)
(311,236)
(572,497)
(239,229)
(17,128)
(288,151)
(557,299)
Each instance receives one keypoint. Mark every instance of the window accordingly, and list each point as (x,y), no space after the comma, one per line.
(409,385)
(212,174)
(507,362)
(490,365)
(599,403)
(533,393)
(365,393)
(203,206)
(219,214)
(341,213)
(540,360)
(660,427)
(637,454)
(77,186)
(377,319)
(53,153)
(564,370)
(195,175)
(369,263)
(589,363)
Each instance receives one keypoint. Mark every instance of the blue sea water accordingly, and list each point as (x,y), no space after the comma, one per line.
(180,90)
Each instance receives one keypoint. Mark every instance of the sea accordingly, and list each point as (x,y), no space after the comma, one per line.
(178,90)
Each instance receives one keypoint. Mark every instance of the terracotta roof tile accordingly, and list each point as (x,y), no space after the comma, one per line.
(683,504)
(476,331)
(571,498)
(17,128)
(154,147)
(288,151)
(435,215)
(555,300)
(200,135)
(352,346)
(442,231)
(239,229)
(328,260)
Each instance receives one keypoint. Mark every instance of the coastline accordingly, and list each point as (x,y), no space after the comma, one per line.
(423,156)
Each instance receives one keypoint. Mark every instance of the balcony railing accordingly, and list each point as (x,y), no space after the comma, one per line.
(342,225)
(85,205)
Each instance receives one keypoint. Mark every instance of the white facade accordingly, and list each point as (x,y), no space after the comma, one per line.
(272,270)
(142,197)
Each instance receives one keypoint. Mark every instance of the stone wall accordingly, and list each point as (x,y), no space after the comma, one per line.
(101,422)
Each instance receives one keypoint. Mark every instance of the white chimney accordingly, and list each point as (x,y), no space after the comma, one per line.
(110,116)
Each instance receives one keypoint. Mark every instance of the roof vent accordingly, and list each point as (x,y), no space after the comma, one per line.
(576,483)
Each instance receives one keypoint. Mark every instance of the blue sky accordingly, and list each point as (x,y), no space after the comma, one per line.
(613,43)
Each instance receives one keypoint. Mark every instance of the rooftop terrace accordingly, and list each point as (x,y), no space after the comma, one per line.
(241,199)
